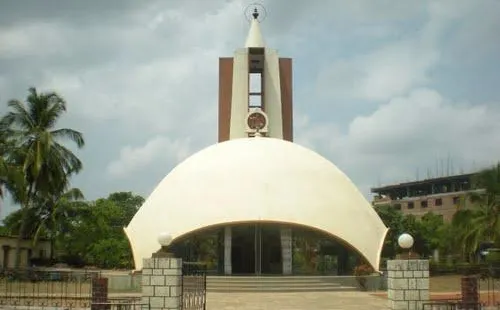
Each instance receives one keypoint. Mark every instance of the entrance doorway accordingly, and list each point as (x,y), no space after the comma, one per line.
(256,249)
(243,249)
(271,262)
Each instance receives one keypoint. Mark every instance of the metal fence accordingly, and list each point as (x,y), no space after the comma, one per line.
(30,288)
(121,304)
(489,286)
(480,289)
(194,286)
(452,305)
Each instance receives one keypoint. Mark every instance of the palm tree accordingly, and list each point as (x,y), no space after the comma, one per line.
(53,212)
(481,222)
(46,163)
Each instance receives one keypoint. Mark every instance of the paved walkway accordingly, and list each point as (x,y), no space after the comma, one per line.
(295,301)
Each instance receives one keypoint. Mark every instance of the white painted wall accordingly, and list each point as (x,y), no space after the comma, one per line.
(272,93)
(239,101)
(252,180)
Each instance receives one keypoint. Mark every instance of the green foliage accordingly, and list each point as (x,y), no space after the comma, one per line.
(36,165)
(96,232)
(471,225)
(393,219)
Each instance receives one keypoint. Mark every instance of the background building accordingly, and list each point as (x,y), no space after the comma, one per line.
(28,251)
(438,195)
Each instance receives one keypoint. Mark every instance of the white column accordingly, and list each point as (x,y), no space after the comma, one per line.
(286,250)
(227,250)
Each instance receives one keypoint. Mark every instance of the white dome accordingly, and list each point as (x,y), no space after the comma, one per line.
(257,179)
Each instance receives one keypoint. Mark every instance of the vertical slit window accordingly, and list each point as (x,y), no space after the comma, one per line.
(255,101)
(255,83)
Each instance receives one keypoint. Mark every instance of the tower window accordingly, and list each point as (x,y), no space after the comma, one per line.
(255,90)
(255,83)
(255,101)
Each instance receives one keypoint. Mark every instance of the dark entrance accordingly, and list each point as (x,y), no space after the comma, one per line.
(256,249)
(270,250)
(243,249)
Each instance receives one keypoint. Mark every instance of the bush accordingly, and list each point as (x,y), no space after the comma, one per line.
(361,272)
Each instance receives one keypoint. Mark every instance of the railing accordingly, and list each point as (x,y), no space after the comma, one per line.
(489,286)
(31,288)
(451,305)
(194,286)
(121,304)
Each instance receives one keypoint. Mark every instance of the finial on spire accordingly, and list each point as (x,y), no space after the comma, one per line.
(254,38)
(255,13)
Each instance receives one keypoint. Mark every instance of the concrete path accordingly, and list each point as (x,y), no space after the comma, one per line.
(295,301)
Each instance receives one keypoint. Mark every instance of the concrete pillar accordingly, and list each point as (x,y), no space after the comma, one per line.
(162,283)
(286,250)
(227,250)
(407,284)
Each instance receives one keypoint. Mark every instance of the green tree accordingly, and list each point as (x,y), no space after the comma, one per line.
(45,162)
(480,221)
(394,220)
(96,231)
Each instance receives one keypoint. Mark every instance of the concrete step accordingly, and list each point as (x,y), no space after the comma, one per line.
(275,284)
(278,289)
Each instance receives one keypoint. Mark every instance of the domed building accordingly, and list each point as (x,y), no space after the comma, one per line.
(257,203)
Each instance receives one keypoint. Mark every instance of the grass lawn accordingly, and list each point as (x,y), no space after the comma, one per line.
(448,283)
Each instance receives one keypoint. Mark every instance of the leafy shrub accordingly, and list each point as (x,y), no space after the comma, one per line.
(361,272)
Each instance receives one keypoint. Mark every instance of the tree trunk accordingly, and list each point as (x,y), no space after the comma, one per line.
(24,217)
(22,228)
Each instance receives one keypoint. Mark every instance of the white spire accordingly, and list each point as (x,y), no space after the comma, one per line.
(254,38)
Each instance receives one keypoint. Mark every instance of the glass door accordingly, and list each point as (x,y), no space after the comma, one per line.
(258,249)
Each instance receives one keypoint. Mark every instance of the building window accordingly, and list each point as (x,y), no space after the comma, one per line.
(456,200)
(423,204)
(255,90)
(397,206)
(439,202)
(411,205)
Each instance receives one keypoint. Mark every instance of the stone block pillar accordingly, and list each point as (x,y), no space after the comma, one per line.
(162,283)
(286,250)
(228,238)
(407,284)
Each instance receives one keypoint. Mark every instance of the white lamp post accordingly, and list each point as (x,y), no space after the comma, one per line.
(164,239)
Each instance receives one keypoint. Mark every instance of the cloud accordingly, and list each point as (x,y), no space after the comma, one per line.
(381,88)
(410,133)
(133,159)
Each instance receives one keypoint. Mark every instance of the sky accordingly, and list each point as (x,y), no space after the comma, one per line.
(388,90)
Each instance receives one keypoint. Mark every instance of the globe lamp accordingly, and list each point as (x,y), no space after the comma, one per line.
(405,241)
(164,239)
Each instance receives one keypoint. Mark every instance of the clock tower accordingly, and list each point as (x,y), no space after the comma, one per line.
(255,91)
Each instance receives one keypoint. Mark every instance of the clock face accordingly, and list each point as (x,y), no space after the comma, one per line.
(256,121)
